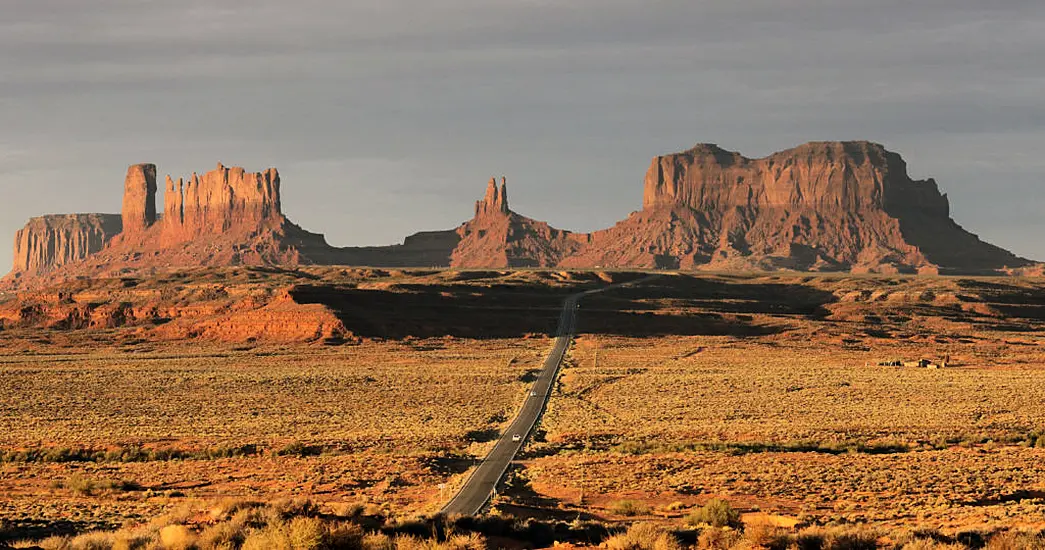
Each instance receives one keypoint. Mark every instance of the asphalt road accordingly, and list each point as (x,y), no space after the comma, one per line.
(476,491)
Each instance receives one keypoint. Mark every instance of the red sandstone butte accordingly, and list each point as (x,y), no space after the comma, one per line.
(836,206)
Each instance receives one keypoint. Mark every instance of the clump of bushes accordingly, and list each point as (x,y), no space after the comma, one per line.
(302,525)
(635,447)
(298,448)
(1035,439)
(130,453)
(716,513)
(644,536)
(82,485)
(282,525)
(720,539)
(630,508)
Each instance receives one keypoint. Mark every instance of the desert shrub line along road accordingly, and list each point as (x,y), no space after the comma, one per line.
(478,488)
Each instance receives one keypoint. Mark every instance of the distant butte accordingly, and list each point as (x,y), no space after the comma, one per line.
(822,206)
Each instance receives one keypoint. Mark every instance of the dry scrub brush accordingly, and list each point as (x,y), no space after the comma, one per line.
(286,525)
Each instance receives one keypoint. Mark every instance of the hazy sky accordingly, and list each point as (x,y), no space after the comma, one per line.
(387,117)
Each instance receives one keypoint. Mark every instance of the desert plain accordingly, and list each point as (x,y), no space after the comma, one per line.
(884,404)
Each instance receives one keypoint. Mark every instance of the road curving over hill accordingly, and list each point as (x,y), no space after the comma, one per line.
(479,487)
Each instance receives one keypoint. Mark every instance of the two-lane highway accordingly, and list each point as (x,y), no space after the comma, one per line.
(472,497)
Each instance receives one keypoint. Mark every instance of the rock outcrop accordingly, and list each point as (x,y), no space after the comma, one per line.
(234,309)
(227,216)
(173,207)
(821,206)
(222,200)
(495,202)
(497,237)
(48,242)
(139,199)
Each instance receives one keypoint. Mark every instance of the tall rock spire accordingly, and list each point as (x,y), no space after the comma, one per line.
(496,200)
(504,195)
(139,198)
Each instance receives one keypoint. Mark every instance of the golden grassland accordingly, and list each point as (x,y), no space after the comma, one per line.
(679,390)
(785,409)
(378,394)
(301,524)
(381,422)
(765,391)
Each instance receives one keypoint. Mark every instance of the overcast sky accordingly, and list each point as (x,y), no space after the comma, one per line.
(387,117)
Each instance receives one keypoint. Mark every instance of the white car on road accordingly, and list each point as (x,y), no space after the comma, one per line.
(516,437)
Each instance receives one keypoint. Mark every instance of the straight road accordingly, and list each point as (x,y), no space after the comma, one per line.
(476,491)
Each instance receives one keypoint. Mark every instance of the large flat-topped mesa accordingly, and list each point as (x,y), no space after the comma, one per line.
(822,205)
(851,176)
(47,242)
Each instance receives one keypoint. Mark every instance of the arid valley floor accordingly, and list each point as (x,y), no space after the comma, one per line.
(376,392)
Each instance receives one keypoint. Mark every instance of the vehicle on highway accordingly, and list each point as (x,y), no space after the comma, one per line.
(516,437)
(533,394)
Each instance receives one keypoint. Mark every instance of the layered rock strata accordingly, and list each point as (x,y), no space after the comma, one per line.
(822,206)
(139,199)
(846,206)
(48,242)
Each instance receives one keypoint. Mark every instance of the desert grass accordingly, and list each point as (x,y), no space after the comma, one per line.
(305,525)
(629,508)
(378,394)
(284,525)
(768,389)
(762,390)
(384,421)
(644,536)
(758,393)
(715,513)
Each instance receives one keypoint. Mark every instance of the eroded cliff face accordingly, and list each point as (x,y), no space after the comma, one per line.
(495,202)
(222,200)
(227,216)
(48,242)
(855,176)
(139,199)
(822,205)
